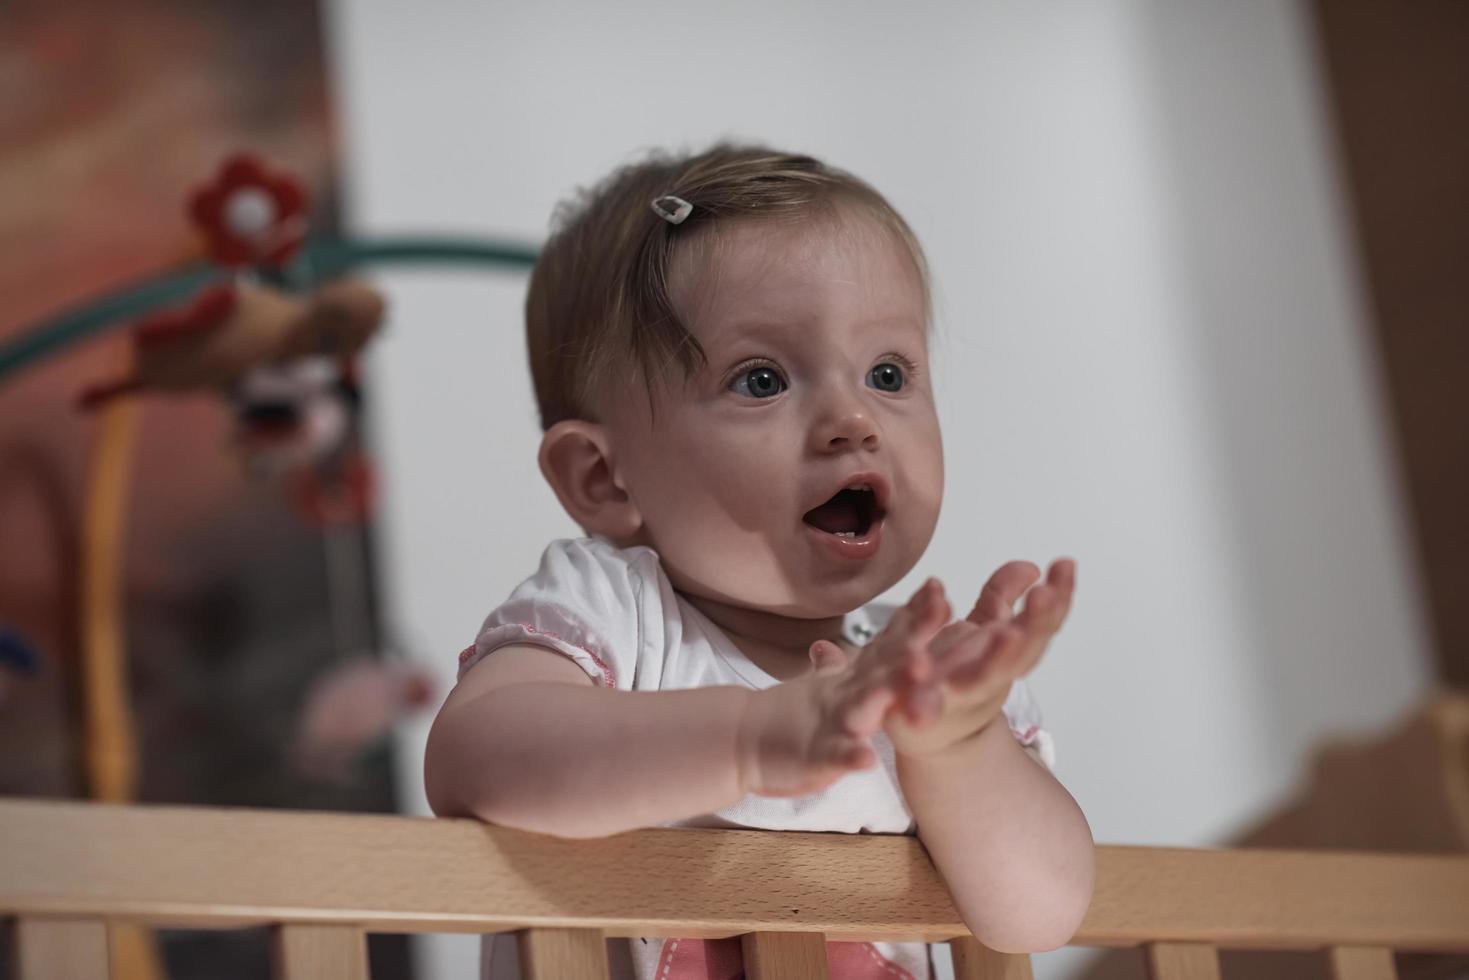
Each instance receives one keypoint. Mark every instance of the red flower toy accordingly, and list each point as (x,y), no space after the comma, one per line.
(249,214)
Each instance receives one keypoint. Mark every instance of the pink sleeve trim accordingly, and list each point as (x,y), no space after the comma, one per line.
(1026,736)
(608,678)
(605,675)
(1038,742)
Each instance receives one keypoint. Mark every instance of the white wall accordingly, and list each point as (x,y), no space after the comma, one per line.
(1137,235)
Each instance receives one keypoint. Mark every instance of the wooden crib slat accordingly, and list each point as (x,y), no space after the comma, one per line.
(975,961)
(219,868)
(319,952)
(60,949)
(1361,963)
(784,955)
(1182,961)
(133,951)
(563,954)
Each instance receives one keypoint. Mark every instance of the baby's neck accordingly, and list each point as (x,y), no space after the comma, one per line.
(778,645)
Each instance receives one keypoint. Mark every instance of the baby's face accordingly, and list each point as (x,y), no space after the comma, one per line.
(800,472)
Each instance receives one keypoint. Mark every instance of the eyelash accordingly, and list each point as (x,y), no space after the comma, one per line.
(910,369)
(746,367)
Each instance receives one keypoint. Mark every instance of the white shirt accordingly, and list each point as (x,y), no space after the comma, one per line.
(614,613)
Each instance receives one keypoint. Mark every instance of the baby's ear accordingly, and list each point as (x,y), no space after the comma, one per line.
(576,459)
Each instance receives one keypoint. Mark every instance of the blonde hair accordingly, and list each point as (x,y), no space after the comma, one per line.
(599,306)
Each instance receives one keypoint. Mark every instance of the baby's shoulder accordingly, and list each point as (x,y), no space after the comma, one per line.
(588,599)
(579,565)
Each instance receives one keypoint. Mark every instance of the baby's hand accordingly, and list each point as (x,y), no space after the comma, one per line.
(801,736)
(976,659)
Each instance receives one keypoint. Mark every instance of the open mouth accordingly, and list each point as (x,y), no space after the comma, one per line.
(850,513)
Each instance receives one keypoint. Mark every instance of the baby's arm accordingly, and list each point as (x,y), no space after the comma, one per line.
(1009,840)
(525,740)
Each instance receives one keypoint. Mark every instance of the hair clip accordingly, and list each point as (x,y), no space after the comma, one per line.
(672,209)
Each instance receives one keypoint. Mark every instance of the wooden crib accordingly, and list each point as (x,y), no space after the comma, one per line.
(70,872)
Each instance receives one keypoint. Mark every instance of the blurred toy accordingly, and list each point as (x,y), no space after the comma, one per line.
(353,707)
(231,329)
(250,214)
(284,360)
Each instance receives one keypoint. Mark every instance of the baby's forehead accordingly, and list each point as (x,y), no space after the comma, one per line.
(754,275)
(756,243)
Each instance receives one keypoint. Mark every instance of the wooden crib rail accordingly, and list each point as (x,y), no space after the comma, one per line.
(325,880)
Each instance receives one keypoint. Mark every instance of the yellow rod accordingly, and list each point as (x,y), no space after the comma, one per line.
(110,739)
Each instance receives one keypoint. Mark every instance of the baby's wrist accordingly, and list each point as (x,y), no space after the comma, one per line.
(938,742)
(753,719)
(768,735)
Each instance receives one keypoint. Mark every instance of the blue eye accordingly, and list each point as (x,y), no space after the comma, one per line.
(760,382)
(886,377)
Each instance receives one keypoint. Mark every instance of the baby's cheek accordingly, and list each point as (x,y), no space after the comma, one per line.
(732,526)
(742,478)
(930,494)
(926,472)
(710,504)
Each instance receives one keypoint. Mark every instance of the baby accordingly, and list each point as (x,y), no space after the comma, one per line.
(730,351)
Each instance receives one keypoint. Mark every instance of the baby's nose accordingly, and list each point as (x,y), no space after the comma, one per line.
(848,429)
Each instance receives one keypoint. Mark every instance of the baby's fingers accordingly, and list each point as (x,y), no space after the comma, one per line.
(862,709)
(930,611)
(900,653)
(996,602)
(923,699)
(923,704)
(995,658)
(1045,609)
(1051,601)
(921,617)
(826,656)
(848,754)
